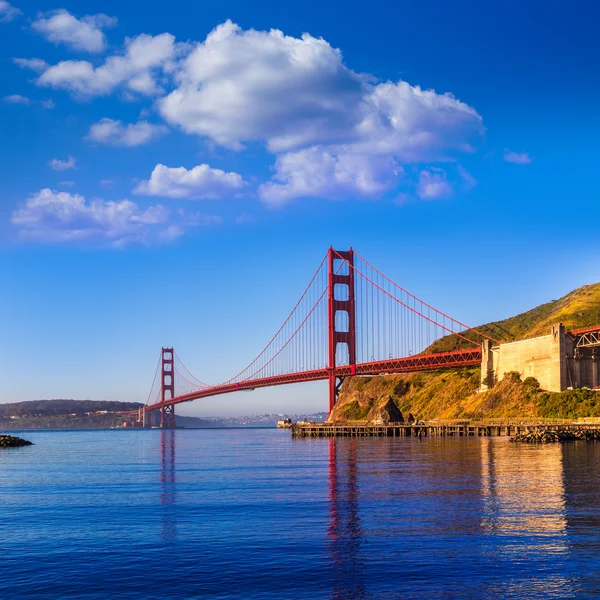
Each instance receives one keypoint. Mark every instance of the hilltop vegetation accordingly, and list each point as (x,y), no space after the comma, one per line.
(579,308)
(453,394)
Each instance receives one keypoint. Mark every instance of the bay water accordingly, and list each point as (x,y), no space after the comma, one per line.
(253,513)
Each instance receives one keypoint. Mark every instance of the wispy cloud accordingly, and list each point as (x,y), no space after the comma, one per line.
(62,165)
(17,99)
(61,217)
(433,184)
(8,12)
(113,133)
(519,158)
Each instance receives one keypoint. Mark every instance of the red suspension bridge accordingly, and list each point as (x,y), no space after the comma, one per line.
(350,320)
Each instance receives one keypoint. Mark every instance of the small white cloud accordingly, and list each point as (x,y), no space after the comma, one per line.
(138,69)
(61,27)
(8,12)
(107,183)
(50,216)
(49,104)
(201,182)
(62,165)
(66,183)
(113,133)
(17,99)
(35,64)
(322,173)
(433,184)
(519,158)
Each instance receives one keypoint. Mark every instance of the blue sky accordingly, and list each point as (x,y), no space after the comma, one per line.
(175,177)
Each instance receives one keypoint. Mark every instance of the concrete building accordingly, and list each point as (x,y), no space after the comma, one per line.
(558,361)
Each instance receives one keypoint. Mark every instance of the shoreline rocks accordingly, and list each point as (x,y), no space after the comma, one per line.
(549,436)
(11,441)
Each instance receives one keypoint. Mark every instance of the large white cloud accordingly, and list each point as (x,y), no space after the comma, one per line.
(113,133)
(86,34)
(319,172)
(50,216)
(8,12)
(201,182)
(241,86)
(137,69)
(324,120)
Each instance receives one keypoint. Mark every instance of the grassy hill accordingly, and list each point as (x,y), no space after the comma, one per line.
(579,308)
(453,394)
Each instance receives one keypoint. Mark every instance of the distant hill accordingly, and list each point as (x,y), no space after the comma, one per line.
(579,308)
(452,394)
(64,414)
(102,414)
(50,408)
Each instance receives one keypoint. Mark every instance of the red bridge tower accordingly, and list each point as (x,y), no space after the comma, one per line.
(342,317)
(167,388)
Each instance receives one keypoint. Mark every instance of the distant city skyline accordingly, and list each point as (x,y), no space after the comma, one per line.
(174,178)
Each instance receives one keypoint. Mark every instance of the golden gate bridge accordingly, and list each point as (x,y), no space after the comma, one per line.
(350,320)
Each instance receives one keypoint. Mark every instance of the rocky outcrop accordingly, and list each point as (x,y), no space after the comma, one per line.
(360,407)
(10,441)
(385,411)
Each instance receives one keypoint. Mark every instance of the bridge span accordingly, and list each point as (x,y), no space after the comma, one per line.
(351,320)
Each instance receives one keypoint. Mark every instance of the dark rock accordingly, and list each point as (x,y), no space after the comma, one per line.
(385,411)
(546,436)
(10,441)
(410,419)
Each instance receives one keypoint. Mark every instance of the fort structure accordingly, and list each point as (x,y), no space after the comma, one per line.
(559,361)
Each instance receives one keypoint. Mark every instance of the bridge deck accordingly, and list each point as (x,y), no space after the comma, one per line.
(423,362)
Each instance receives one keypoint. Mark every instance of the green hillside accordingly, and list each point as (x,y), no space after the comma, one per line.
(579,308)
(453,394)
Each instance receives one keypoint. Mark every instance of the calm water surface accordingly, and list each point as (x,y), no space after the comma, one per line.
(255,514)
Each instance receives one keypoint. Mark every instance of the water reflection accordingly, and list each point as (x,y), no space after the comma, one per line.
(167,480)
(344,532)
(523,490)
(523,493)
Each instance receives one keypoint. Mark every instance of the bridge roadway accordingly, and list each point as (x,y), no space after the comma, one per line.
(422,362)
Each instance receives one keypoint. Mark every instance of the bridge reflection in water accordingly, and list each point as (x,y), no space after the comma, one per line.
(471,517)
(344,532)
(168,495)
(503,505)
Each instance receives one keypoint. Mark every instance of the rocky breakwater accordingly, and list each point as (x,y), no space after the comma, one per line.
(550,436)
(11,441)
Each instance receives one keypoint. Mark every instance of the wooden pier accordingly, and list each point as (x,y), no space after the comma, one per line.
(319,430)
